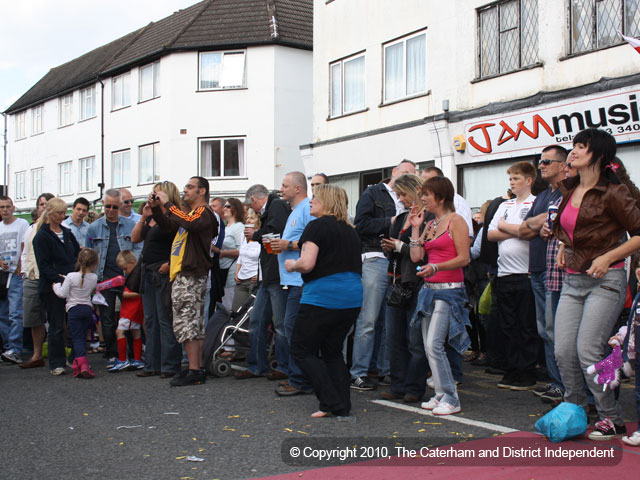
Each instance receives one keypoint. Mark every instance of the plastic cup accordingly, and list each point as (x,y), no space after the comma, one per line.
(266,241)
(275,250)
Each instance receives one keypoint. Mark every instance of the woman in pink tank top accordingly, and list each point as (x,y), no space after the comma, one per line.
(440,311)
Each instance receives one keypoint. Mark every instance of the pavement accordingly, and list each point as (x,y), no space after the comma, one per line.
(119,426)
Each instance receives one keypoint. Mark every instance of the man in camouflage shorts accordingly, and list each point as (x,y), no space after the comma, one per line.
(188,269)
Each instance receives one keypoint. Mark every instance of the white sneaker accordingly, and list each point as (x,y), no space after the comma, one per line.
(57,371)
(430,405)
(430,383)
(10,356)
(633,440)
(444,408)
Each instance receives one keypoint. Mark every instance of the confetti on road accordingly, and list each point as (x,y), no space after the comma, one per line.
(233,416)
(128,426)
(288,430)
(180,458)
(245,436)
(193,458)
(194,439)
(432,423)
(85,414)
(172,413)
(303,433)
(229,429)
(422,430)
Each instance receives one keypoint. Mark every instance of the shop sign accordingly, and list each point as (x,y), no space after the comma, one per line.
(526,132)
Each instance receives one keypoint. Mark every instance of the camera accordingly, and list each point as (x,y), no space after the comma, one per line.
(154,197)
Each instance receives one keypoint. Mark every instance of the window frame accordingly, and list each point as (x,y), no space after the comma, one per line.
(519,28)
(35,190)
(37,127)
(64,109)
(121,153)
(82,169)
(242,167)
(21,125)
(223,53)
(21,185)
(65,178)
(126,85)
(341,62)
(594,30)
(404,39)
(155,81)
(155,147)
(83,100)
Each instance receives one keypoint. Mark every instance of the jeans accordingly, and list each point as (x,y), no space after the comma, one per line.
(636,366)
(269,299)
(551,306)
(455,362)
(435,330)
(296,376)
(379,357)
(588,310)
(322,331)
(405,350)
(374,283)
(516,311)
(78,320)
(55,335)
(109,321)
(11,316)
(162,350)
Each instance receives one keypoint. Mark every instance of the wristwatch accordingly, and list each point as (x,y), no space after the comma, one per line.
(290,246)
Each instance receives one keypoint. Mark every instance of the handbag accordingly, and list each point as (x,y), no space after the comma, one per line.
(400,296)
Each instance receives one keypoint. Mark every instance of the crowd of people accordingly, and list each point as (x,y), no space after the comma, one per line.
(532,287)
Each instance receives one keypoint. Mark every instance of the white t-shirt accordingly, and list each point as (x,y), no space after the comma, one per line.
(11,239)
(73,292)
(463,209)
(233,237)
(249,260)
(513,253)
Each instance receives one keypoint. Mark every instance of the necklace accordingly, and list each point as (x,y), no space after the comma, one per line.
(433,229)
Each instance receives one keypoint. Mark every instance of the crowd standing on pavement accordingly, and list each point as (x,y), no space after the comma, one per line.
(536,284)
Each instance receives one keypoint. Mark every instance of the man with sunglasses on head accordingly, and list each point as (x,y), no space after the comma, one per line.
(188,268)
(552,168)
(109,235)
(126,209)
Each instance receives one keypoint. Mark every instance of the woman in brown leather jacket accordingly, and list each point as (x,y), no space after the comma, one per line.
(596,213)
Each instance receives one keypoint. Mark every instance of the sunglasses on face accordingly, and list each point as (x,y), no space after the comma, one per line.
(548,162)
(127,202)
(111,207)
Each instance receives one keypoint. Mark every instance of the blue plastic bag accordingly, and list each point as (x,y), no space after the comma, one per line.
(566,421)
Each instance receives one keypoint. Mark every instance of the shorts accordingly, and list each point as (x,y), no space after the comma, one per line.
(34,312)
(187,298)
(126,324)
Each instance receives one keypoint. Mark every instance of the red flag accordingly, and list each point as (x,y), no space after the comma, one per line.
(634,42)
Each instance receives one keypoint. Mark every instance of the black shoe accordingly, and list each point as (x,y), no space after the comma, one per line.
(391,395)
(523,382)
(411,398)
(188,377)
(167,375)
(508,380)
(552,395)
(362,384)
(606,430)
(147,373)
(494,370)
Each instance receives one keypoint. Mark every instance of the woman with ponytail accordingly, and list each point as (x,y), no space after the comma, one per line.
(596,213)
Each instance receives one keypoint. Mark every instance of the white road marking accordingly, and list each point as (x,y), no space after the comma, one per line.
(451,418)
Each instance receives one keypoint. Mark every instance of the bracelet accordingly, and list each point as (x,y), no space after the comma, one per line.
(414,243)
(434,267)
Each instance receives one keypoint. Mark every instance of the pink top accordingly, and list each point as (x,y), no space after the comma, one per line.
(568,221)
(442,249)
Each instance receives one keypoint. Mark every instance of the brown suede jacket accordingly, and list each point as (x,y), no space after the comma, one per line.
(607,212)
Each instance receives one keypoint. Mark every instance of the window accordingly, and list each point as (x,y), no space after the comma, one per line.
(86,174)
(66,110)
(120,91)
(149,82)
(596,23)
(347,86)
(36,120)
(405,67)
(508,36)
(64,178)
(121,168)
(87,103)
(222,70)
(21,125)
(36,182)
(21,187)
(222,157)
(147,163)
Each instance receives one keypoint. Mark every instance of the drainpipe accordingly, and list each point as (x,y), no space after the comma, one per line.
(101,184)
(6,183)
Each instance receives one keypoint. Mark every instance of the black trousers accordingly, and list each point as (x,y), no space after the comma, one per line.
(517,318)
(322,331)
(109,320)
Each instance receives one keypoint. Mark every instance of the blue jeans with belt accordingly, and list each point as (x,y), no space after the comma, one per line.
(11,316)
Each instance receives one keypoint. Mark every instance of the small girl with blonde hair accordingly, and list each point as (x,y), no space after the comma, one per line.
(77,288)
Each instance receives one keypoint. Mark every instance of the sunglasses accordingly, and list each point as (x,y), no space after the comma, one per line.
(548,162)
(111,207)
(127,202)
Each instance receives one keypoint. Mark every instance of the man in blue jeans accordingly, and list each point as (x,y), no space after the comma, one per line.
(294,191)
(376,210)
(12,231)
(552,164)
(271,298)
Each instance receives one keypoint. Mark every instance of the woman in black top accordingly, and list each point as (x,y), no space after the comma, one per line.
(56,250)
(162,350)
(407,359)
(331,268)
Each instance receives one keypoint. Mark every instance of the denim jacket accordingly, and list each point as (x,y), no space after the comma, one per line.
(459,317)
(98,239)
